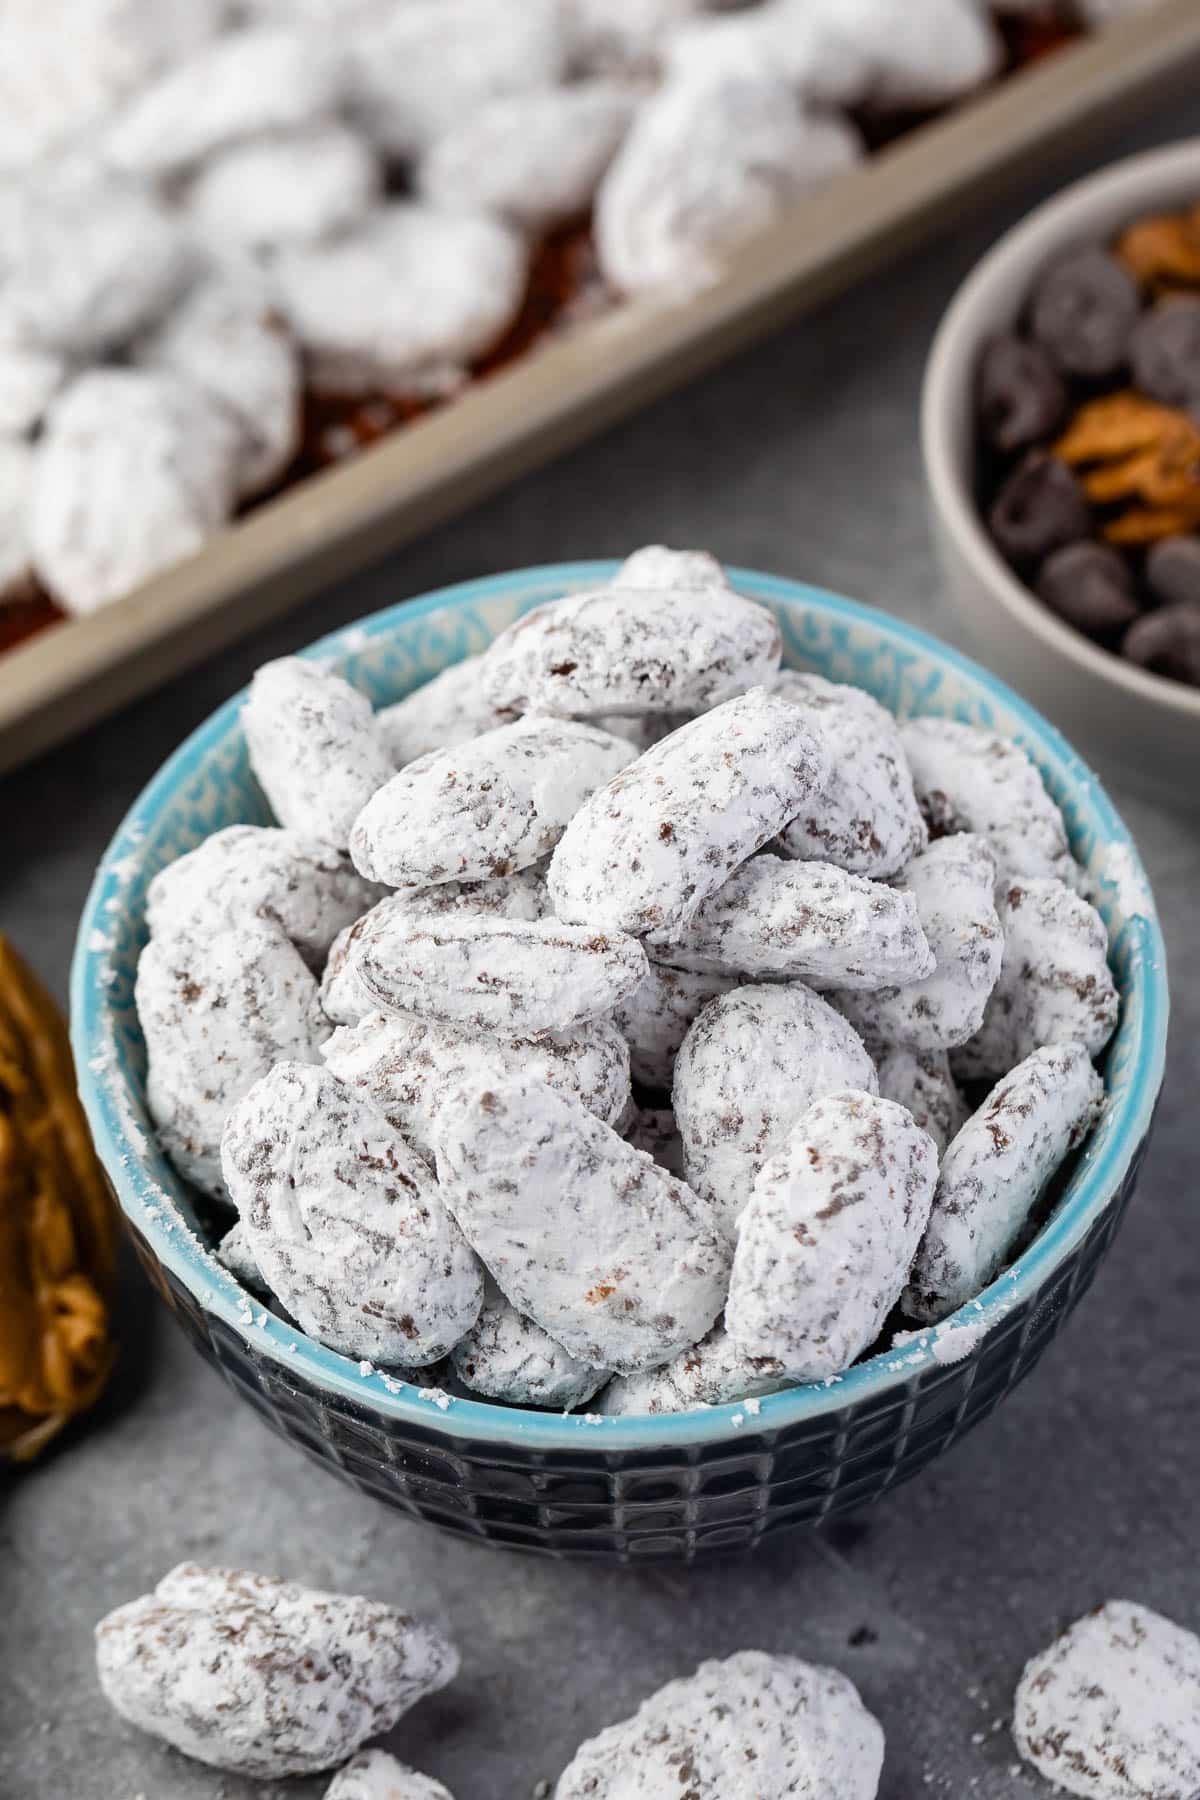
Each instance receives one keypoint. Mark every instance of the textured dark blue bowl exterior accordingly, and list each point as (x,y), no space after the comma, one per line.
(670,1505)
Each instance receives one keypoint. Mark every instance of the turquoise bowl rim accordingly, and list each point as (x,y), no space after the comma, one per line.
(121,1144)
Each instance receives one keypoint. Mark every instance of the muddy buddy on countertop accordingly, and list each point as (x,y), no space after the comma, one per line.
(1089,442)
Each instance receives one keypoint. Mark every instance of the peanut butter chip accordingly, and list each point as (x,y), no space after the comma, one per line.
(57,1238)
(1162,250)
(1146,457)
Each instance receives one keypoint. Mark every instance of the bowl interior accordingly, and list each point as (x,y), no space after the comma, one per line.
(207,785)
(991,300)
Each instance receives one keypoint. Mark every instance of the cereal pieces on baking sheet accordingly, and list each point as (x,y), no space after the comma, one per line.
(668,635)
(709,163)
(245,84)
(440,714)
(407,1065)
(1111,1710)
(110,436)
(404,302)
(803,921)
(969,779)
(313,747)
(374,1775)
(534,159)
(520,896)
(826,1242)
(346,1222)
(622,1264)
(261,1677)
(16,484)
(487,808)
(710,1373)
(505,1356)
(301,884)
(995,1172)
(802,1729)
(752,1063)
(226,341)
(867,820)
(494,974)
(86,259)
(657,1015)
(645,852)
(300,187)
(952,882)
(1055,985)
(921,1081)
(418,70)
(218,1008)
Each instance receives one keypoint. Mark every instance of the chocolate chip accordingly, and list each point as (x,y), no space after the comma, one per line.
(1040,508)
(1084,310)
(1164,350)
(1167,642)
(1173,570)
(1090,586)
(1020,394)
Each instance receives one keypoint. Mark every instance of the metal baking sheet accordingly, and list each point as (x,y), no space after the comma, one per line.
(71,674)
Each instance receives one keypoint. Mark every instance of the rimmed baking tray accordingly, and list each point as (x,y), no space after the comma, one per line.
(73,673)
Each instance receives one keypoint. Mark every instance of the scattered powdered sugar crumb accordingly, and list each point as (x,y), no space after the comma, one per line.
(124,867)
(354,640)
(366,1368)
(952,1343)
(264,1319)
(98,943)
(737,1420)
(591,1419)
(753,1406)
(1119,869)
(390,1383)
(436,1397)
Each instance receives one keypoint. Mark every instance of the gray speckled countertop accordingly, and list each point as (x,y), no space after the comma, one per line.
(799,458)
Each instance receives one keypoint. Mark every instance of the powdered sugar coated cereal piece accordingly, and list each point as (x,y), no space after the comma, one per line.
(298,883)
(404,302)
(407,1066)
(952,882)
(826,1242)
(636,650)
(793,40)
(29,380)
(711,1373)
(418,70)
(440,714)
(801,1729)
(802,921)
(16,487)
(754,1061)
(625,37)
(646,851)
(947,49)
(921,1081)
(484,809)
(313,747)
(346,1222)
(226,341)
(623,1265)
(262,1677)
(494,974)
(218,1009)
(969,779)
(1055,986)
(86,259)
(374,1775)
(110,435)
(507,1357)
(867,820)
(299,187)
(535,159)
(657,1015)
(707,164)
(994,1173)
(658,566)
(1111,1710)
(520,896)
(244,84)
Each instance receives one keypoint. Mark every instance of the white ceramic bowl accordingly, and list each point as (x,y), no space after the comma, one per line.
(1127,718)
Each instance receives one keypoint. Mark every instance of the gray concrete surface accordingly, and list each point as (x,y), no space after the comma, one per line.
(798,458)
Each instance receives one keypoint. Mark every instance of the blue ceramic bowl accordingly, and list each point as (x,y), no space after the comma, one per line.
(676,1487)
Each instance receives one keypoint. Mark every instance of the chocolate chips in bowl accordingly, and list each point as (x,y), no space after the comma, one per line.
(1087,419)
